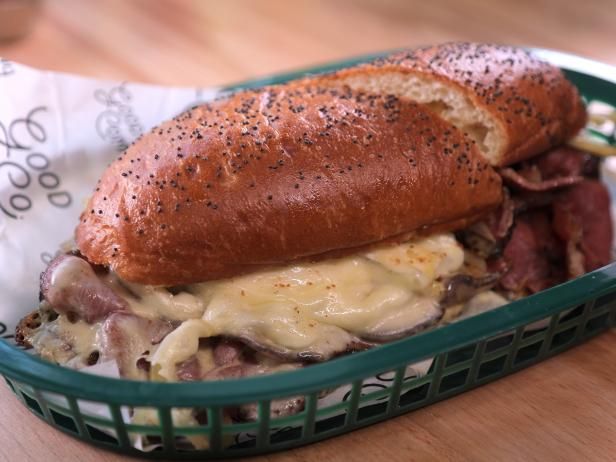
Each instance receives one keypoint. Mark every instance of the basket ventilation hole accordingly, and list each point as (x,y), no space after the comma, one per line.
(492,367)
(33,404)
(63,421)
(528,353)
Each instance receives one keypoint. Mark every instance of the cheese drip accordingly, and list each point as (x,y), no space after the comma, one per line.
(66,342)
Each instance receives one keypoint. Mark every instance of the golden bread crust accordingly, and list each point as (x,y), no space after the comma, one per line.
(531,101)
(283,173)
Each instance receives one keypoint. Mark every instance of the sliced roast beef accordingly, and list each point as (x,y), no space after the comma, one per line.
(562,226)
(532,255)
(484,238)
(501,221)
(529,200)
(558,168)
(229,357)
(189,370)
(517,180)
(70,286)
(462,287)
(582,219)
(227,351)
(566,161)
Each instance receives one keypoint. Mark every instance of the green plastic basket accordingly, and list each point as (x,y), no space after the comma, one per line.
(466,354)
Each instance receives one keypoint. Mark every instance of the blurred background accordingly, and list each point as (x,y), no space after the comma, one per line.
(184,42)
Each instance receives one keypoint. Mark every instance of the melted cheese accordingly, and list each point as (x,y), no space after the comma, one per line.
(81,335)
(422,262)
(65,342)
(156,302)
(176,347)
(298,307)
(482,302)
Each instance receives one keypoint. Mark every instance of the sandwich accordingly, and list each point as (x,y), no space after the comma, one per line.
(283,226)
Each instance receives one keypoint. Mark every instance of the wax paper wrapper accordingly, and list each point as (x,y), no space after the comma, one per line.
(58,132)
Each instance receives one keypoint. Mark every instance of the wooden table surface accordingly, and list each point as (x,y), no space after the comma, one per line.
(563,409)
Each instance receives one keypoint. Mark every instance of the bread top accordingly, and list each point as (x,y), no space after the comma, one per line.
(512,103)
(284,173)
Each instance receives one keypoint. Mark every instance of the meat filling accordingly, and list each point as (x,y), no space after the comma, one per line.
(561,228)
